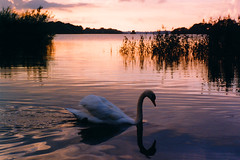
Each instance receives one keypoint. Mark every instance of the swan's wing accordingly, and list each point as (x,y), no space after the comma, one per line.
(104,110)
(110,105)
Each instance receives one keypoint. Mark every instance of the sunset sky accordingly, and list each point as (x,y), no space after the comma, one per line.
(127,15)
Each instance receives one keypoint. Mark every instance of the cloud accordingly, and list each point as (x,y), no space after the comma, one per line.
(159,1)
(33,4)
(131,0)
(5,3)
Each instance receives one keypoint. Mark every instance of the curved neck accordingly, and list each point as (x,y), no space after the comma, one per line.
(139,117)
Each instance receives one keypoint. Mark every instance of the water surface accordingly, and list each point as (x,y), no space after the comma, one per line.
(197,116)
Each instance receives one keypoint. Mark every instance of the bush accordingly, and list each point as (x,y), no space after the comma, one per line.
(224,37)
(23,30)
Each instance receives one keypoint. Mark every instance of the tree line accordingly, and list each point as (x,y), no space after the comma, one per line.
(36,22)
(67,28)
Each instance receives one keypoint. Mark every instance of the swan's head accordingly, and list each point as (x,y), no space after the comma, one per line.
(151,95)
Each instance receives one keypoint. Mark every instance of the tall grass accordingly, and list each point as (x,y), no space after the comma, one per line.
(161,49)
(19,31)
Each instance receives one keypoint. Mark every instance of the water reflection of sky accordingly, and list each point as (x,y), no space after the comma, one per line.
(193,118)
(76,58)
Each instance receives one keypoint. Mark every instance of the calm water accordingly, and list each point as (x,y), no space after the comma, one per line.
(197,115)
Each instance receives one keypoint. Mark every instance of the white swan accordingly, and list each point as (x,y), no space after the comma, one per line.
(96,109)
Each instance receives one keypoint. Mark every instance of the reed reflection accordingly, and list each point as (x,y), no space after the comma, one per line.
(27,55)
(223,66)
(171,51)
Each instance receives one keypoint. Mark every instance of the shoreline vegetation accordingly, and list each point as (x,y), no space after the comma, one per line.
(216,46)
(25,41)
(27,30)
(223,34)
(31,20)
(35,21)
(18,21)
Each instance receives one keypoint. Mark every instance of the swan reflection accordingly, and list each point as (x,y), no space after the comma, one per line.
(97,134)
(147,152)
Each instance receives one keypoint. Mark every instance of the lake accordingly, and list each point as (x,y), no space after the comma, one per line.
(197,114)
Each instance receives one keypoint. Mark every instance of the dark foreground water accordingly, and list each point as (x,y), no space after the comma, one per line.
(197,116)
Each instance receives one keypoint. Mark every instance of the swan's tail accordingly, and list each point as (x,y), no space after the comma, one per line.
(71,110)
(82,116)
(78,114)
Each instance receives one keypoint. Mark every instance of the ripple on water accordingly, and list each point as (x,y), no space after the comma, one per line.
(33,130)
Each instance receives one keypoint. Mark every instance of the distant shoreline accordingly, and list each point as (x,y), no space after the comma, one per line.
(68,28)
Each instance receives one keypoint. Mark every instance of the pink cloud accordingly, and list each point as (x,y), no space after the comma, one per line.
(33,4)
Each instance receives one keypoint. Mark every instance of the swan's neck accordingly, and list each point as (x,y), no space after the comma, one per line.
(139,117)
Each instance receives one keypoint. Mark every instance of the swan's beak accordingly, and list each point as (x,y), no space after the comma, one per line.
(154,103)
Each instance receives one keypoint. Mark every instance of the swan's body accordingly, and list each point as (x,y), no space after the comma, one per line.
(97,109)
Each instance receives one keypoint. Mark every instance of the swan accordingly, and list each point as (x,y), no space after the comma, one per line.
(97,109)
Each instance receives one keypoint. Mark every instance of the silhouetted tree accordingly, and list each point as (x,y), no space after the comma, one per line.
(64,28)
(224,37)
(182,30)
(200,28)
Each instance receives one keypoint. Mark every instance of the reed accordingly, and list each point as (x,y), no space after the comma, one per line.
(219,51)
